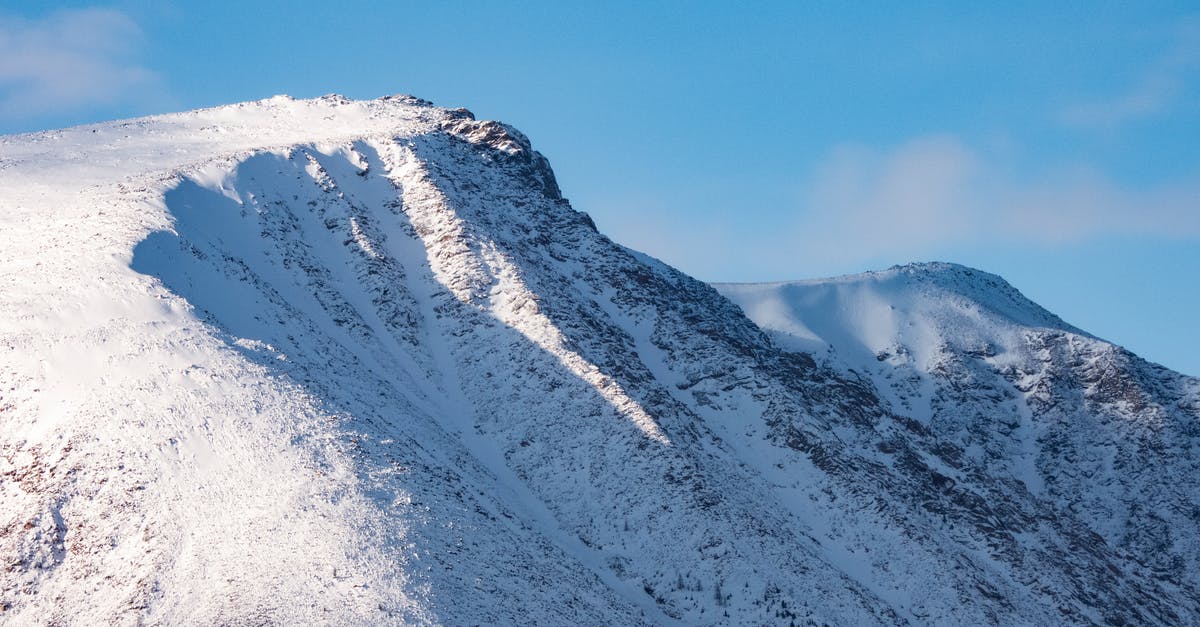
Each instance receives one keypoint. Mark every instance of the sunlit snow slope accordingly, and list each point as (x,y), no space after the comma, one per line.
(1017,393)
(359,362)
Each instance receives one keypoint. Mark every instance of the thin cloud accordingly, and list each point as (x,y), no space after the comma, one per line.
(1150,96)
(71,61)
(938,191)
(864,206)
(913,194)
(1155,92)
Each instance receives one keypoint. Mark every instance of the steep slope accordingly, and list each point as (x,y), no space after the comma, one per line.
(314,361)
(1082,424)
(158,466)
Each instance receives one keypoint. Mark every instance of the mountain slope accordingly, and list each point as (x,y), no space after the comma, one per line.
(359,361)
(1079,422)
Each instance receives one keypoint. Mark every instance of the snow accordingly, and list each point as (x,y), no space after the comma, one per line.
(226,490)
(327,361)
(1009,384)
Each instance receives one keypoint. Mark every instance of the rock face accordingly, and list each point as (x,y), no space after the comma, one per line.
(360,362)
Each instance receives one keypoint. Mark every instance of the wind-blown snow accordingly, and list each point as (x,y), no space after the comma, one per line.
(329,361)
(1078,422)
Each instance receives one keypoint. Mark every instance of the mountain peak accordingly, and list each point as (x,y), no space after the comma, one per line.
(166,143)
(938,285)
(990,291)
(916,307)
(936,268)
(271,360)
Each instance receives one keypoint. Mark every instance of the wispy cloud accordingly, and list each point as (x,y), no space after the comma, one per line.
(914,194)
(70,61)
(1155,91)
(926,198)
(939,191)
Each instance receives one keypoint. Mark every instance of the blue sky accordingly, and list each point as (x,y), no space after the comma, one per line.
(1055,144)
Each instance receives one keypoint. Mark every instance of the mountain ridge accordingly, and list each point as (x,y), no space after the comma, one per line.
(974,283)
(391,375)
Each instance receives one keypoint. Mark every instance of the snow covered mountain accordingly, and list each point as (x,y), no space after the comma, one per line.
(1017,393)
(329,361)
